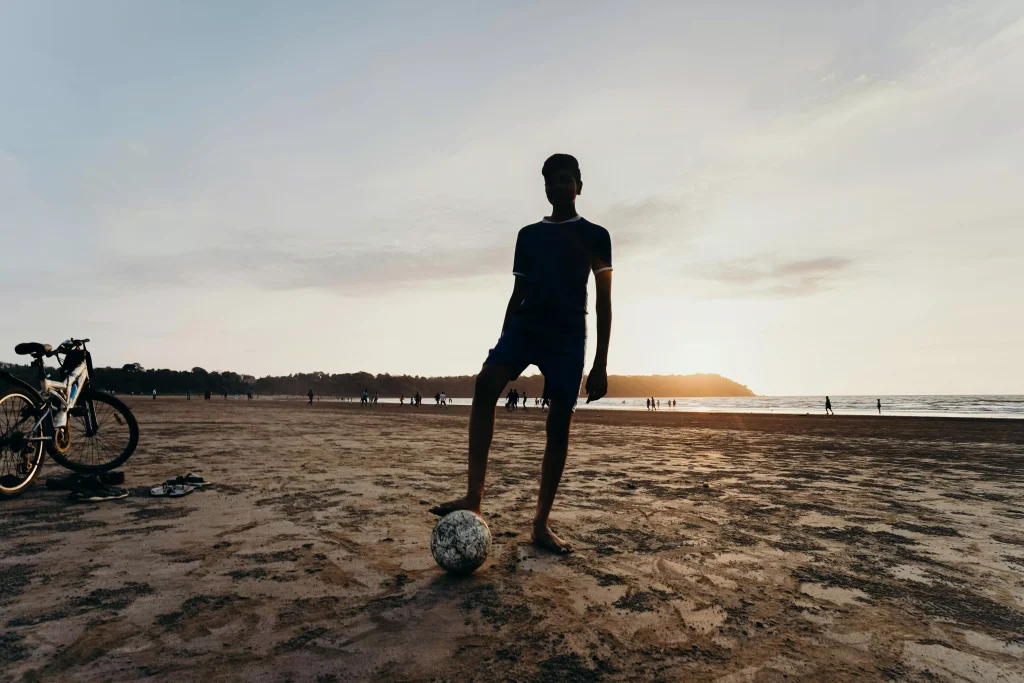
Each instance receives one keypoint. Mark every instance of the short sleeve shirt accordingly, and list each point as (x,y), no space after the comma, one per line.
(556,260)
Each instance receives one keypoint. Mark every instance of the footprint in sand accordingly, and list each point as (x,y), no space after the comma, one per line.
(673,570)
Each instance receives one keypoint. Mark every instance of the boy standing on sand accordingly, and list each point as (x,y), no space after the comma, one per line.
(546,325)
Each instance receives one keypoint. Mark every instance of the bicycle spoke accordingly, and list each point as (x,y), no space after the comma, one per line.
(7,417)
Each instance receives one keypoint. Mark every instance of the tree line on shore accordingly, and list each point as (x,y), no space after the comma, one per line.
(133,378)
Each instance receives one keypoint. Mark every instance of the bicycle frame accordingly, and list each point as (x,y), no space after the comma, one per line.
(61,397)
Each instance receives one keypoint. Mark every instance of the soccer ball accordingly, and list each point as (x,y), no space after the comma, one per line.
(460,542)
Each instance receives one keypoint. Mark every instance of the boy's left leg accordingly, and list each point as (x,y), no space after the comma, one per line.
(558,425)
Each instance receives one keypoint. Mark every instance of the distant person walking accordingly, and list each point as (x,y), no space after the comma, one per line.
(828,406)
(188,395)
(444,399)
(437,399)
(310,395)
(648,402)
(879,406)
(154,394)
(524,401)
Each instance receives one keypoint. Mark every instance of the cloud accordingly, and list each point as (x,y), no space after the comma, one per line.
(638,214)
(773,278)
(337,268)
(442,255)
(657,223)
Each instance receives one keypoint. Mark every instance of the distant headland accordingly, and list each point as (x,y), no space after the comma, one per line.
(135,378)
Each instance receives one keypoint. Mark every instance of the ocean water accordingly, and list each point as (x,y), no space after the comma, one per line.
(918,406)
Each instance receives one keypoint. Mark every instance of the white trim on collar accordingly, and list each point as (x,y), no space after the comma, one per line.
(568,220)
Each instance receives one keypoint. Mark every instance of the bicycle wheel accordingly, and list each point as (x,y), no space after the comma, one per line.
(103,434)
(20,459)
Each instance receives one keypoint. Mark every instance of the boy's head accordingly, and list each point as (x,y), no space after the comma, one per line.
(562,180)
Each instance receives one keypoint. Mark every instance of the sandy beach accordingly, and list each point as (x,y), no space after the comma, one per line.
(710,547)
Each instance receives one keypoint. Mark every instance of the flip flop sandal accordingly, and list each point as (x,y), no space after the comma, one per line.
(191,479)
(172,490)
(171,487)
(179,490)
(161,490)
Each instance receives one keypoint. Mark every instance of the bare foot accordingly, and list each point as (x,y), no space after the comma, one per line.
(544,538)
(463,503)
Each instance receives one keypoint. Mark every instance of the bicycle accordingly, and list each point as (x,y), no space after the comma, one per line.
(82,428)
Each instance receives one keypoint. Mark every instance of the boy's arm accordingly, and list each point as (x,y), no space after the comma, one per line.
(597,380)
(514,301)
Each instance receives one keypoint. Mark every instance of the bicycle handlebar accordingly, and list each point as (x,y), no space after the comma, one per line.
(68,345)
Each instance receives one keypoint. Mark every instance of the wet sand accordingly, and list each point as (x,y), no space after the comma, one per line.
(728,548)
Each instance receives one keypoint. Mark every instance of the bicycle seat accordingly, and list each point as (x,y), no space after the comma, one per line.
(32,349)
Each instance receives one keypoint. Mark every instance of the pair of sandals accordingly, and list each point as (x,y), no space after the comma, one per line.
(180,486)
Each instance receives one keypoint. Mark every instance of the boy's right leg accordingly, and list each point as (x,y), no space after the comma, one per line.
(489,384)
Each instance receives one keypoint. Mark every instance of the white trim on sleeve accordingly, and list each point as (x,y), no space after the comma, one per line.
(518,273)
(601,270)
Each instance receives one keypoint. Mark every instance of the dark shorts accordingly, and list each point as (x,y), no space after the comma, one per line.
(558,353)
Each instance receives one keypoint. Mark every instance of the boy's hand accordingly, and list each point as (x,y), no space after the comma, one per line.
(597,384)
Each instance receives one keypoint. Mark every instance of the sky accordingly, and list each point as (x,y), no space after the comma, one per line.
(807,197)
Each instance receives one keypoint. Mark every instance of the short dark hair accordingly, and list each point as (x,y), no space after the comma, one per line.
(559,162)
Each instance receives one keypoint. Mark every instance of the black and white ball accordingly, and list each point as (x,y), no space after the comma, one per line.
(460,542)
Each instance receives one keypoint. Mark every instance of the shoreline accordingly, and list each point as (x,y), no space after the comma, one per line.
(604,409)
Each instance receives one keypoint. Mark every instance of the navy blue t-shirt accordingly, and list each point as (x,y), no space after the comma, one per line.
(556,260)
